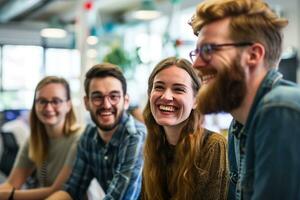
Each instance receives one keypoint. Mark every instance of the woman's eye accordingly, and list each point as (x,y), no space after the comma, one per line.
(179,90)
(158,87)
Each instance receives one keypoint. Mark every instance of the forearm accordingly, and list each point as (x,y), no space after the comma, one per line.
(5,186)
(61,195)
(31,194)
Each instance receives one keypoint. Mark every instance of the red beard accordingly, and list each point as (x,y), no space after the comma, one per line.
(226,91)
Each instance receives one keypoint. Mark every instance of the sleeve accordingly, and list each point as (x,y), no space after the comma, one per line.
(23,160)
(218,177)
(81,176)
(276,146)
(127,178)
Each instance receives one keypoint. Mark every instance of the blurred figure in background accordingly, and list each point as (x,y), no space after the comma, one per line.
(19,127)
(13,134)
(183,161)
(136,112)
(51,147)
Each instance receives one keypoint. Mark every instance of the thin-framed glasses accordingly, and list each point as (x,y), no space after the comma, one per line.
(206,50)
(113,98)
(55,102)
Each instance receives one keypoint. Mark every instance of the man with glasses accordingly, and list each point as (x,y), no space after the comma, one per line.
(111,152)
(238,50)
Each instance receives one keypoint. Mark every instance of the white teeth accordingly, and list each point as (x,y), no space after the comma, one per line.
(167,108)
(105,113)
(207,77)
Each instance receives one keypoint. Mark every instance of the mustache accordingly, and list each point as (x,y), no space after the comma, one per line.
(226,92)
(100,110)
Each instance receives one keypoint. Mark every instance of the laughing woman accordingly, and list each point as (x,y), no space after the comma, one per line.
(51,148)
(182,159)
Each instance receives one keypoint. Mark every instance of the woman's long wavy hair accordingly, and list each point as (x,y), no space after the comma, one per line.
(38,141)
(160,180)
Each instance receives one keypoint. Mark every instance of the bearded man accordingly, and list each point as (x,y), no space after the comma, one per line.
(238,49)
(111,151)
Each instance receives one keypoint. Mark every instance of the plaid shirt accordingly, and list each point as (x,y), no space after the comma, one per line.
(117,165)
(237,143)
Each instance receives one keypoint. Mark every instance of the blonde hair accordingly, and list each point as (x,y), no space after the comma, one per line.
(251,21)
(158,178)
(38,141)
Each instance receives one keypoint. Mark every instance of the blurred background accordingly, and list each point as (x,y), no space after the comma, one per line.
(67,37)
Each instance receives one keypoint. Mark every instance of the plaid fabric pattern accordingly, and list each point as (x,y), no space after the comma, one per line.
(240,137)
(116,165)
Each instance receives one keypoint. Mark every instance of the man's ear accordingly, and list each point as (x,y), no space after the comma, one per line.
(86,102)
(255,54)
(126,102)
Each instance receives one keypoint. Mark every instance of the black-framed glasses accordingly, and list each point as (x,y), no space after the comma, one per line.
(113,98)
(55,102)
(205,51)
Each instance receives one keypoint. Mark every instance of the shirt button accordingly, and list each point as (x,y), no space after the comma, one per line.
(105,157)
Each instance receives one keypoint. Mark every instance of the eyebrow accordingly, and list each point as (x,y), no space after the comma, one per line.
(113,91)
(175,84)
(158,82)
(180,84)
(45,98)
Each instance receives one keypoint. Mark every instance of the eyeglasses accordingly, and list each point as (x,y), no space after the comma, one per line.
(56,102)
(98,99)
(206,50)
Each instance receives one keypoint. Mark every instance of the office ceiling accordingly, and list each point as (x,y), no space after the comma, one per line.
(66,11)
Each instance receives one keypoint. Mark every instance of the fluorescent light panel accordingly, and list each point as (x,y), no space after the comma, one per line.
(53,33)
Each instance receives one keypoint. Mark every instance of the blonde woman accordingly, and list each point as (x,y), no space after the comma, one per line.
(182,160)
(51,148)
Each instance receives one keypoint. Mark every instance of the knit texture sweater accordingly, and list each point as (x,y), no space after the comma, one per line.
(213,175)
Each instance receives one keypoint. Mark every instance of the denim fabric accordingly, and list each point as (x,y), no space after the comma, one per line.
(264,154)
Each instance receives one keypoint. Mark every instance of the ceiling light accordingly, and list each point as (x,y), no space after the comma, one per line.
(55,29)
(145,14)
(92,40)
(147,11)
(53,33)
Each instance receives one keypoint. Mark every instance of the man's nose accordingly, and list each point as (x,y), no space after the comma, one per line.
(198,62)
(106,102)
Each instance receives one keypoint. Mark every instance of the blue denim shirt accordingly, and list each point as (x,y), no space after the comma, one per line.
(264,155)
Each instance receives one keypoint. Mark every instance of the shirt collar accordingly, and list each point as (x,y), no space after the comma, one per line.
(237,129)
(116,138)
(270,80)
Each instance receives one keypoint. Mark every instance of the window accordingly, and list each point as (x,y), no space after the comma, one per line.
(24,66)
(21,67)
(63,62)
